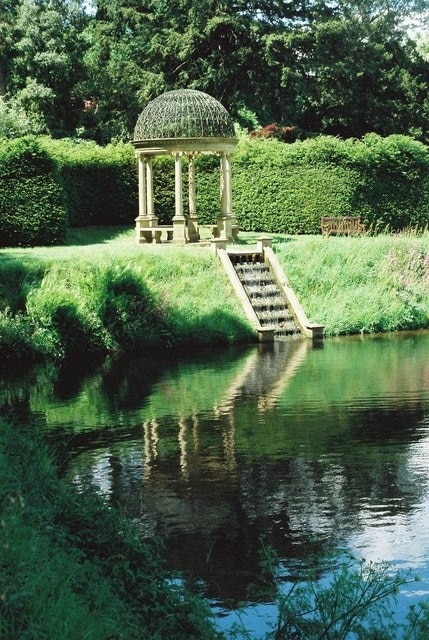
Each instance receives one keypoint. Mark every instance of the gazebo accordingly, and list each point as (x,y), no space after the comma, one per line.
(181,123)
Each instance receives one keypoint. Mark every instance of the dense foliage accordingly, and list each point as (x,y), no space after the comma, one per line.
(277,187)
(87,68)
(71,568)
(99,183)
(31,205)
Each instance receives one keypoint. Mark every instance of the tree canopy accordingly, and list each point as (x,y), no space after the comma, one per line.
(87,68)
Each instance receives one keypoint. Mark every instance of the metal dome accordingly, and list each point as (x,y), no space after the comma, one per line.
(184,113)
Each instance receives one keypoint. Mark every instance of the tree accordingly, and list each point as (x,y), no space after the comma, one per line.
(47,62)
(354,71)
(325,66)
(7,20)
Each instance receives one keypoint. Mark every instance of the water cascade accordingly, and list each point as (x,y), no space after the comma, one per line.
(267,298)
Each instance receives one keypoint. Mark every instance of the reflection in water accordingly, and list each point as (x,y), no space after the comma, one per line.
(313,449)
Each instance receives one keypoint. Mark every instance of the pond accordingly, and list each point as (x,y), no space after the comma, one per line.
(307,449)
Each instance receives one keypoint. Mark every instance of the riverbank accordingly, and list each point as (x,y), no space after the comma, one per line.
(72,568)
(69,565)
(102,293)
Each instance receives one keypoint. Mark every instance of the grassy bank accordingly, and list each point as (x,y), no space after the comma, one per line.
(70,568)
(103,293)
(361,285)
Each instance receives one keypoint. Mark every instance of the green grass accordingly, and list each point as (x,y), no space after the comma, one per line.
(361,285)
(70,568)
(102,292)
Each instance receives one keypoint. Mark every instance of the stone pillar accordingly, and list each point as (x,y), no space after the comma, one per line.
(223,187)
(179,220)
(227,179)
(142,187)
(193,231)
(225,220)
(146,217)
(149,193)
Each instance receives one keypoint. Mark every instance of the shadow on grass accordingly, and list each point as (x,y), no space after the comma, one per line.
(96,235)
(247,238)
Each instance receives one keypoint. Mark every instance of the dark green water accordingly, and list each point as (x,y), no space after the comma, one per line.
(314,449)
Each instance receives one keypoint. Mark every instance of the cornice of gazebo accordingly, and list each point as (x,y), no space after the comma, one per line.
(164,146)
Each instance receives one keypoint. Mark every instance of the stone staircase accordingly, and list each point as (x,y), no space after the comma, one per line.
(266,299)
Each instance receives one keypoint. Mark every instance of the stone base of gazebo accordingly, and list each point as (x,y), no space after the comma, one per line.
(183,231)
(226,228)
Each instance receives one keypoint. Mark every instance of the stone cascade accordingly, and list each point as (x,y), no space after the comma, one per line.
(266,298)
(260,284)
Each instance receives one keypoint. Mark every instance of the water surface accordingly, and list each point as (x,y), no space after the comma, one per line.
(312,449)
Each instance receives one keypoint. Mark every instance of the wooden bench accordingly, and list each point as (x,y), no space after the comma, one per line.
(341,225)
(155,233)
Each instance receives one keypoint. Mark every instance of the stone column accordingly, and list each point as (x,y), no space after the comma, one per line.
(179,220)
(223,196)
(146,217)
(224,221)
(193,232)
(153,220)
(142,187)
(228,190)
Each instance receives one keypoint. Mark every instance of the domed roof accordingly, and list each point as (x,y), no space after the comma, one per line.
(184,113)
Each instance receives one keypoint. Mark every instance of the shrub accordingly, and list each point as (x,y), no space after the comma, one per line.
(287,188)
(100,183)
(285,134)
(31,206)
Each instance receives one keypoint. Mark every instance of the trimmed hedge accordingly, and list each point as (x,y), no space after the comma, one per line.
(277,187)
(286,188)
(31,205)
(100,183)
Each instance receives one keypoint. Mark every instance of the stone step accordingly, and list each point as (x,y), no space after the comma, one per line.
(274,311)
(263,276)
(265,297)
(265,292)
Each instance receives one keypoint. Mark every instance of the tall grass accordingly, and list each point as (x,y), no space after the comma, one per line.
(103,293)
(363,284)
(115,296)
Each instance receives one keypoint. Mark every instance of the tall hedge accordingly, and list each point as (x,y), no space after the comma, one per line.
(277,187)
(31,205)
(286,188)
(100,183)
